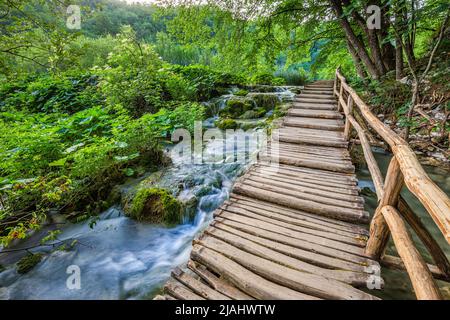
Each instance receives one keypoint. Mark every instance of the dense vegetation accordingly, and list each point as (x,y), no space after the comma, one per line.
(81,110)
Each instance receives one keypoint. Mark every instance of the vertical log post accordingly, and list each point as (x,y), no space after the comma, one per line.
(341,90)
(335,82)
(379,230)
(348,125)
(422,280)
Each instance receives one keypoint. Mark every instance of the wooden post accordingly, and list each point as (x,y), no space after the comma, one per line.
(341,90)
(348,126)
(427,239)
(421,278)
(379,230)
(335,83)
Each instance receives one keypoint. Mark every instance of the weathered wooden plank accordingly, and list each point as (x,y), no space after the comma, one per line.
(355,257)
(307,283)
(241,242)
(244,279)
(197,286)
(180,291)
(217,283)
(289,232)
(314,113)
(318,259)
(344,214)
(236,207)
(298,213)
(345,201)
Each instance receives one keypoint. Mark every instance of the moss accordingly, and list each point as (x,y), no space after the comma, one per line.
(156,206)
(241,93)
(267,101)
(225,124)
(28,262)
(236,107)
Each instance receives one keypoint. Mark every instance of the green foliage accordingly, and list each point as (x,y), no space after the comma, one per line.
(267,79)
(28,262)
(208,83)
(156,206)
(235,107)
(65,93)
(131,78)
(241,93)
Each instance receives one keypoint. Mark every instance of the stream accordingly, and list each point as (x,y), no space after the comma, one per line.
(120,258)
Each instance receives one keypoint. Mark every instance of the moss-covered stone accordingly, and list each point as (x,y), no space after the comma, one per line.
(225,124)
(241,93)
(156,206)
(28,262)
(268,101)
(235,107)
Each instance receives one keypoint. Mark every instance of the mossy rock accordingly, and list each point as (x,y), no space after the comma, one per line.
(28,262)
(267,101)
(253,114)
(236,107)
(225,124)
(156,206)
(241,93)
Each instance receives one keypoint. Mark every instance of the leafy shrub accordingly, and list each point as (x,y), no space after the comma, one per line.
(207,81)
(267,79)
(66,93)
(131,78)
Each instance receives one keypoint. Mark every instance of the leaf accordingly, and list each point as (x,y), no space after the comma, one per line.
(58,163)
(128,172)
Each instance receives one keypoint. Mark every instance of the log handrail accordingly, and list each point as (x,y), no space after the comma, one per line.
(417,181)
(404,169)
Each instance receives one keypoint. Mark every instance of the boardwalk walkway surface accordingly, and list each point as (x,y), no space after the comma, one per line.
(293,232)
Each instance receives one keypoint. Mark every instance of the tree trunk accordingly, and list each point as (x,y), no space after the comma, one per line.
(398,60)
(358,64)
(356,43)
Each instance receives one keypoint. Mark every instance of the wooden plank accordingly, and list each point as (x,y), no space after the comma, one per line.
(244,279)
(249,203)
(314,113)
(236,207)
(223,214)
(356,257)
(180,291)
(276,220)
(322,196)
(217,283)
(354,278)
(197,286)
(311,257)
(344,214)
(304,282)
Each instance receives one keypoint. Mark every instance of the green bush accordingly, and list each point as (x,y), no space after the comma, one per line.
(267,79)
(65,93)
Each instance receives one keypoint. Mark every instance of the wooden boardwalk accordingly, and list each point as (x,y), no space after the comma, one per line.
(296,231)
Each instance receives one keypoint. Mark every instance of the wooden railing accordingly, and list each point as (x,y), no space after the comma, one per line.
(392,210)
